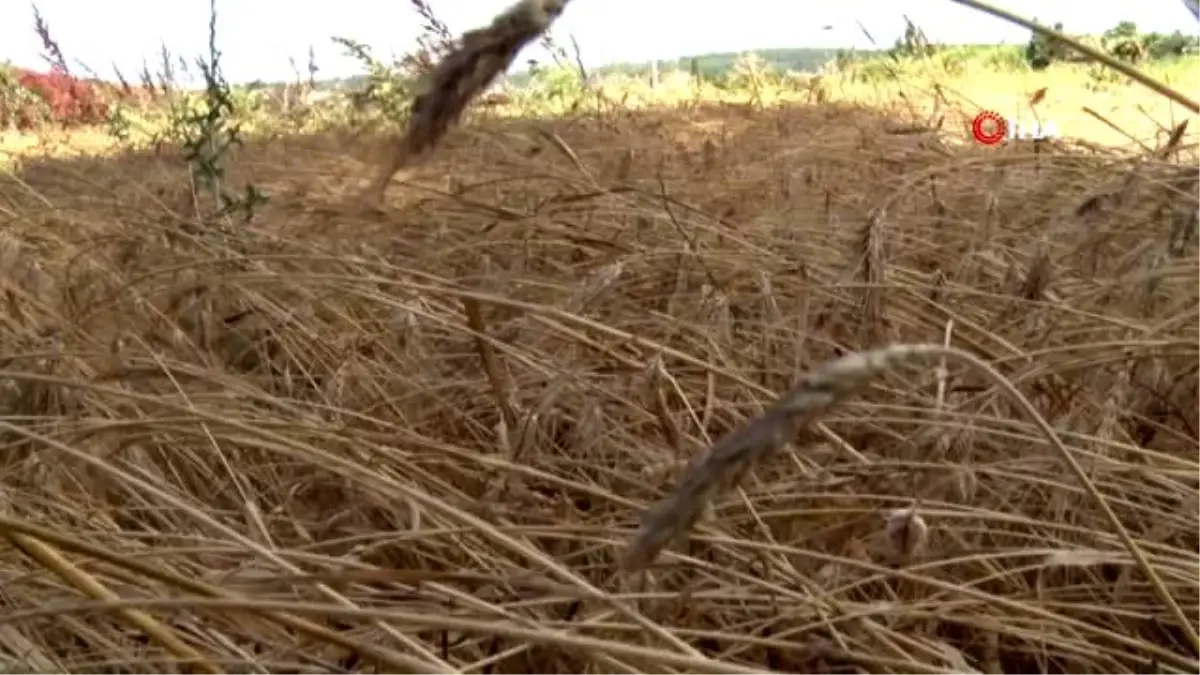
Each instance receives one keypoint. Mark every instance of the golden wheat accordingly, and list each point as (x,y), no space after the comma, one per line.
(421,448)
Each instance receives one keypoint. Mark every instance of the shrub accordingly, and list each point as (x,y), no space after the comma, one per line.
(68,101)
(1122,41)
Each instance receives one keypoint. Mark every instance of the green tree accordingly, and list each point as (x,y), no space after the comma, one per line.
(1122,41)
(1043,50)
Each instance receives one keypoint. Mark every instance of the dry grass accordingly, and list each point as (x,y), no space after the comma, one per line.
(423,439)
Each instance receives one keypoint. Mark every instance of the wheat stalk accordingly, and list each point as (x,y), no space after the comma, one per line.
(461,76)
(731,457)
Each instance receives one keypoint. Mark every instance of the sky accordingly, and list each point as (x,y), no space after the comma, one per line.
(257,37)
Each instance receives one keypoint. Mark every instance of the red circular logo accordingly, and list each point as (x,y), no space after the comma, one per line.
(988,128)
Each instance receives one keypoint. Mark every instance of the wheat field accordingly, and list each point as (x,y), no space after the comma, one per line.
(421,437)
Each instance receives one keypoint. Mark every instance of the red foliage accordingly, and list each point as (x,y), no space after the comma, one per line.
(71,101)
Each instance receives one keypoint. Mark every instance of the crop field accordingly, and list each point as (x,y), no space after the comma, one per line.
(308,434)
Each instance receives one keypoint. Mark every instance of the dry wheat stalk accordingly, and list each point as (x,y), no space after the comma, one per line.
(461,76)
(872,272)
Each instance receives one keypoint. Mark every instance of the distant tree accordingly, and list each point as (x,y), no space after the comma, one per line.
(1159,46)
(1122,41)
(1127,29)
(1043,50)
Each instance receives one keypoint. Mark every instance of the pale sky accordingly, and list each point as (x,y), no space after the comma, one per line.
(258,36)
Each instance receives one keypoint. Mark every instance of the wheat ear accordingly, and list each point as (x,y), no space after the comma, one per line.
(461,76)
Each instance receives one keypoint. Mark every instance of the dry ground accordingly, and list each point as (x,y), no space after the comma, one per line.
(284,444)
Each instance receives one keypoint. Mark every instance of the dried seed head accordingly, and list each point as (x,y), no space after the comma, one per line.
(503,443)
(460,77)
(906,531)
(588,430)
(594,285)
(538,13)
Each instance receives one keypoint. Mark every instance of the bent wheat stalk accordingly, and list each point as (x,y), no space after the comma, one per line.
(461,76)
(731,457)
